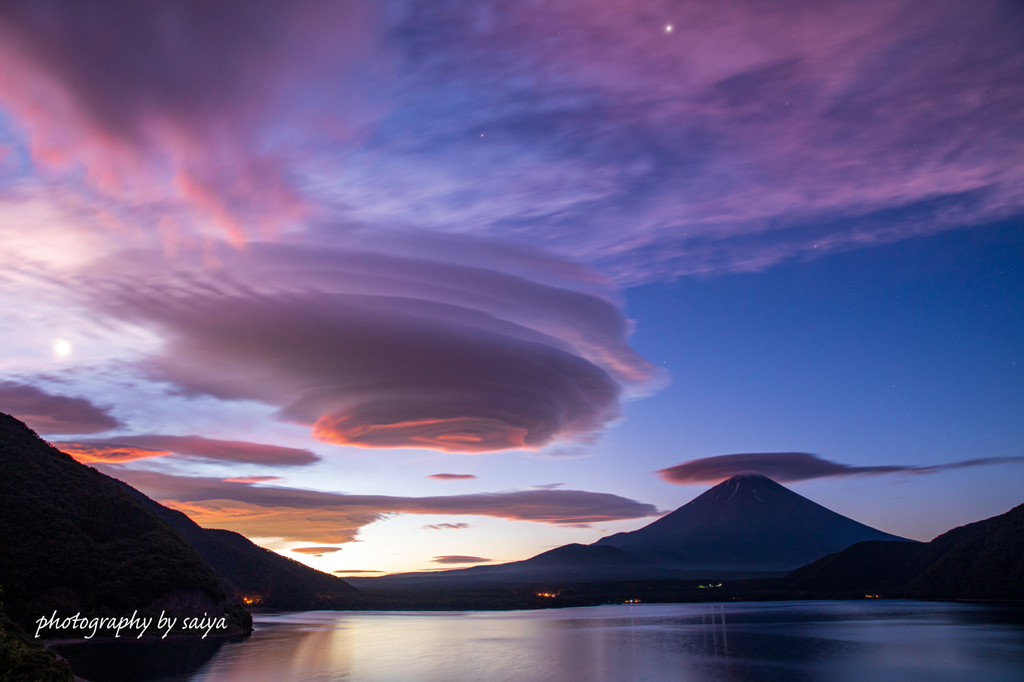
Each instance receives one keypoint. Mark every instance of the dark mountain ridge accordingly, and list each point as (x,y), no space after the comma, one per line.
(74,541)
(250,573)
(747,525)
(568,563)
(982,560)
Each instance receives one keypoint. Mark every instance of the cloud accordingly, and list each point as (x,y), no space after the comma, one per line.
(91,452)
(800,466)
(321,517)
(49,413)
(451,477)
(315,551)
(460,559)
(129,448)
(446,526)
(165,105)
(548,486)
(377,350)
(353,571)
(749,135)
(252,479)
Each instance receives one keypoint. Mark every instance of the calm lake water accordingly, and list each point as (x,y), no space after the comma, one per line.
(857,641)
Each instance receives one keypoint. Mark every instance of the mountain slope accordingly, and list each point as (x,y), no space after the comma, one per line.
(745,525)
(568,563)
(983,560)
(248,572)
(73,540)
(871,567)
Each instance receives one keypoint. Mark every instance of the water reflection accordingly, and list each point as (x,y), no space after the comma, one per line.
(736,642)
(130,660)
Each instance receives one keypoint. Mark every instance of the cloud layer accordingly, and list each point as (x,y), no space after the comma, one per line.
(130,448)
(313,516)
(451,477)
(748,135)
(800,466)
(51,414)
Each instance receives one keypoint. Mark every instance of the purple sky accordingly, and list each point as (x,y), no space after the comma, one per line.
(414,262)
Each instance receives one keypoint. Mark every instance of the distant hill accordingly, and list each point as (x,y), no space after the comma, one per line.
(865,568)
(745,526)
(72,540)
(250,573)
(568,563)
(983,560)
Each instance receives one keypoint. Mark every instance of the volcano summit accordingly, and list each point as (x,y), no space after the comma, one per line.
(748,524)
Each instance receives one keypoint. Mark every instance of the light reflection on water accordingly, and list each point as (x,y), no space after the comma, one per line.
(803,641)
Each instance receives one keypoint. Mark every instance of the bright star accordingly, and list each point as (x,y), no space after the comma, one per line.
(62,347)
(668,28)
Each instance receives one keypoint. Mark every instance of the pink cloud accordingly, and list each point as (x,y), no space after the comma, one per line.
(749,135)
(167,104)
(126,448)
(451,477)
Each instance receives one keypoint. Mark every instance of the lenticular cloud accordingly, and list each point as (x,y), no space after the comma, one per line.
(378,350)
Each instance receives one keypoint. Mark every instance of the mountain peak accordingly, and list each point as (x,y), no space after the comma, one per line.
(747,523)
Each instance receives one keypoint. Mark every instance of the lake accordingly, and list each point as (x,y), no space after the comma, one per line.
(853,641)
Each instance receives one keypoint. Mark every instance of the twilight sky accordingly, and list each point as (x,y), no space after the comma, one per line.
(438,283)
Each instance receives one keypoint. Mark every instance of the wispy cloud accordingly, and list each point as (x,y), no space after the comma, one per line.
(446,526)
(315,551)
(252,479)
(460,559)
(452,477)
(801,466)
(49,413)
(748,135)
(314,516)
(129,448)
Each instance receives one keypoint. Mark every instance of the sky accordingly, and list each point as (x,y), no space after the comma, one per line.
(402,286)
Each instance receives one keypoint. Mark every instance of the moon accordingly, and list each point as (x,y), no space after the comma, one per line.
(62,348)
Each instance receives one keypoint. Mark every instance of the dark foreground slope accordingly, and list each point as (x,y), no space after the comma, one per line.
(250,573)
(22,660)
(747,525)
(983,560)
(72,540)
